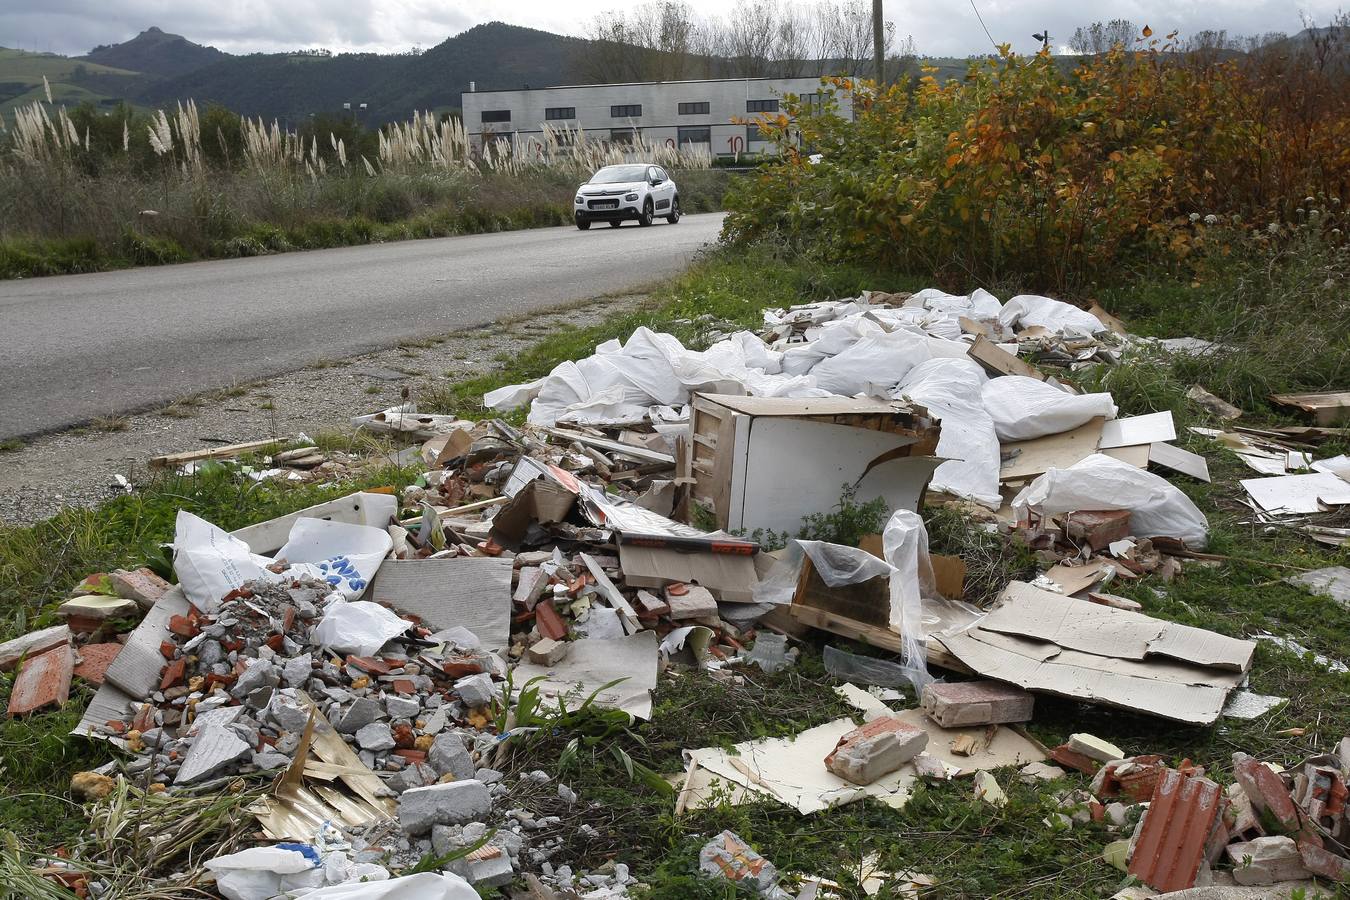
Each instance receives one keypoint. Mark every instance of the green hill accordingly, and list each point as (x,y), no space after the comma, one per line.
(72,81)
(156,52)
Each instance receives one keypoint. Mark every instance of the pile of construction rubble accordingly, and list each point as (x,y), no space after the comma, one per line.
(365,656)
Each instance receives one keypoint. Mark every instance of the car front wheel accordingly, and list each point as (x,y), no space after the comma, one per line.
(647,215)
(674,211)
(615,223)
(583,224)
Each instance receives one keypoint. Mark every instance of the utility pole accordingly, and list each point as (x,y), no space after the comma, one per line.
(878,43)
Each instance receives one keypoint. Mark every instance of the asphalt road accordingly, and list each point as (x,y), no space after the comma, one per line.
(76,347)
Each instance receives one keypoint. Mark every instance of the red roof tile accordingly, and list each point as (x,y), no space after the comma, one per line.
(1170,849)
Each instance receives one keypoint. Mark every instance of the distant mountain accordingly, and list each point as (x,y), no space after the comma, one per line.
(292,86)
(156,52)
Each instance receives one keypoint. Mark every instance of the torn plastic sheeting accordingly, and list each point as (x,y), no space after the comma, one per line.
(422,886)
(362,627)
(979,303)
(1029,311)
(1157,509)
(905,543)
(260,873)
(880,361)
(951,391)
(1023,408)
(210,562)
(836,564)
(865,670)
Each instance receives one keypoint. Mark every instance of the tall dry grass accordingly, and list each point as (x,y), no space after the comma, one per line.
(158,195)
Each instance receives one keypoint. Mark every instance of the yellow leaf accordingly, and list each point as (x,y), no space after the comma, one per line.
(1148,32)
(907,219)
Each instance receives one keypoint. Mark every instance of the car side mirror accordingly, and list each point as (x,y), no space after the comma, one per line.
(654,182)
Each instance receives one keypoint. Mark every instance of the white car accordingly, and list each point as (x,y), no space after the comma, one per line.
(638,191)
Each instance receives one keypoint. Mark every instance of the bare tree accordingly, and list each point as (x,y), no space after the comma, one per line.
(1101,37)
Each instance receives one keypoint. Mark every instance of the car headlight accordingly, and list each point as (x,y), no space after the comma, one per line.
(579,200)
(630,197)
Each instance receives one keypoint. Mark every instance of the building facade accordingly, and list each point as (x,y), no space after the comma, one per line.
(716,114)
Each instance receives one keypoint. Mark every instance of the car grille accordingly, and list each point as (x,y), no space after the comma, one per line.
(604,204)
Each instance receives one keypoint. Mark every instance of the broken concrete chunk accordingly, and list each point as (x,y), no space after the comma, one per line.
(547,652)
(963,703)
(875,749)
(297,670)
(215,748)
(1333,582)
(402,707)
(476,690)
(375,737)
(490,866)
(1266,860)
(98,608)
(448,756)
(1094,747)
(1033,772)
(454,803)
(689,601)
(359,715)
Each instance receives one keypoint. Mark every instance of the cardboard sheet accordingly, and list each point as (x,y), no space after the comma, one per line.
(1027,459)
(1150,429)
(1074,579)
(1294,494)
(1178,460)
(474,592)
(792,770)
(1073,624)
(592,663)
(731,576)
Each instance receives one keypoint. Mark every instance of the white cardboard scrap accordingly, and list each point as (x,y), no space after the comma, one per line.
(1150,429)
(1294,494)
(1179,460)
(590,664)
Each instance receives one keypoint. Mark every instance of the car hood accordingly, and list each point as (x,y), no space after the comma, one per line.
(624,187)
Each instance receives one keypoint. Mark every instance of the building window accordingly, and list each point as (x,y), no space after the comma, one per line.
(625,111)
(753,135)
(694,109)
(701,134)
(626,136)
(813,101)
(560,112)
(496,115)
(761,106)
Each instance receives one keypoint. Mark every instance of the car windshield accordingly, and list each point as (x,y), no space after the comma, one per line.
(619,174)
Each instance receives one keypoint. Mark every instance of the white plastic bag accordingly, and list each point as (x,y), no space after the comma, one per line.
(879,360)
(362,627)
(260,873)
(836,564)
(422,886)
(1023,408)
(951,391)
(345,555)
(1029,310)
(210,562)
(905,543)
(1103,482)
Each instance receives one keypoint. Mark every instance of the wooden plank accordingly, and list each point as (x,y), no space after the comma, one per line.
(881,638)
(997,361)
(1327,408)
(1058,451)
(223,452)
(641,454)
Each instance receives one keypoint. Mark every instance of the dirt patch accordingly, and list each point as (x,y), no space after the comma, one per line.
(78,467)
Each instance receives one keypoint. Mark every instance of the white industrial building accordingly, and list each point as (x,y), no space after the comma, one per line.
(716,114)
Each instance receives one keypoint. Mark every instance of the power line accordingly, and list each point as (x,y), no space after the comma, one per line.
(982,25)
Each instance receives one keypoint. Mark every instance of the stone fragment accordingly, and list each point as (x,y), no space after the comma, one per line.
(402,707)
(86,786)
(259,674)
(875,749)
(448,756)
(454,803)
(140,585)
(215,748)
(1094,747)
(1266,860)
(288,714)
(490,866)
(270,760)
(414,776)
(297,670)
(530,588)
(361,713)
(547,652)
(32,644)
(690,601)
(375,737)
(987,789)
(1033,772)
(962,703)
(97,608)
(476,690)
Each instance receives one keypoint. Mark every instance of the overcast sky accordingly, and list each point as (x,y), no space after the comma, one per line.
(947,28)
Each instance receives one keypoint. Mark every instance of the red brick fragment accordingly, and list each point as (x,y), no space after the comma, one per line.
(403,736)
(1074,760)
(183,626)
(369,664)
(288,618)
(43,680)
(1267,791)
(167,649)
(275,642)
(549,623)
(95,659)
(144,719)
(412,756)
(459,666)
(1098,528)
(403,686)
(173,673)
(1184,818)
(1323,863)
